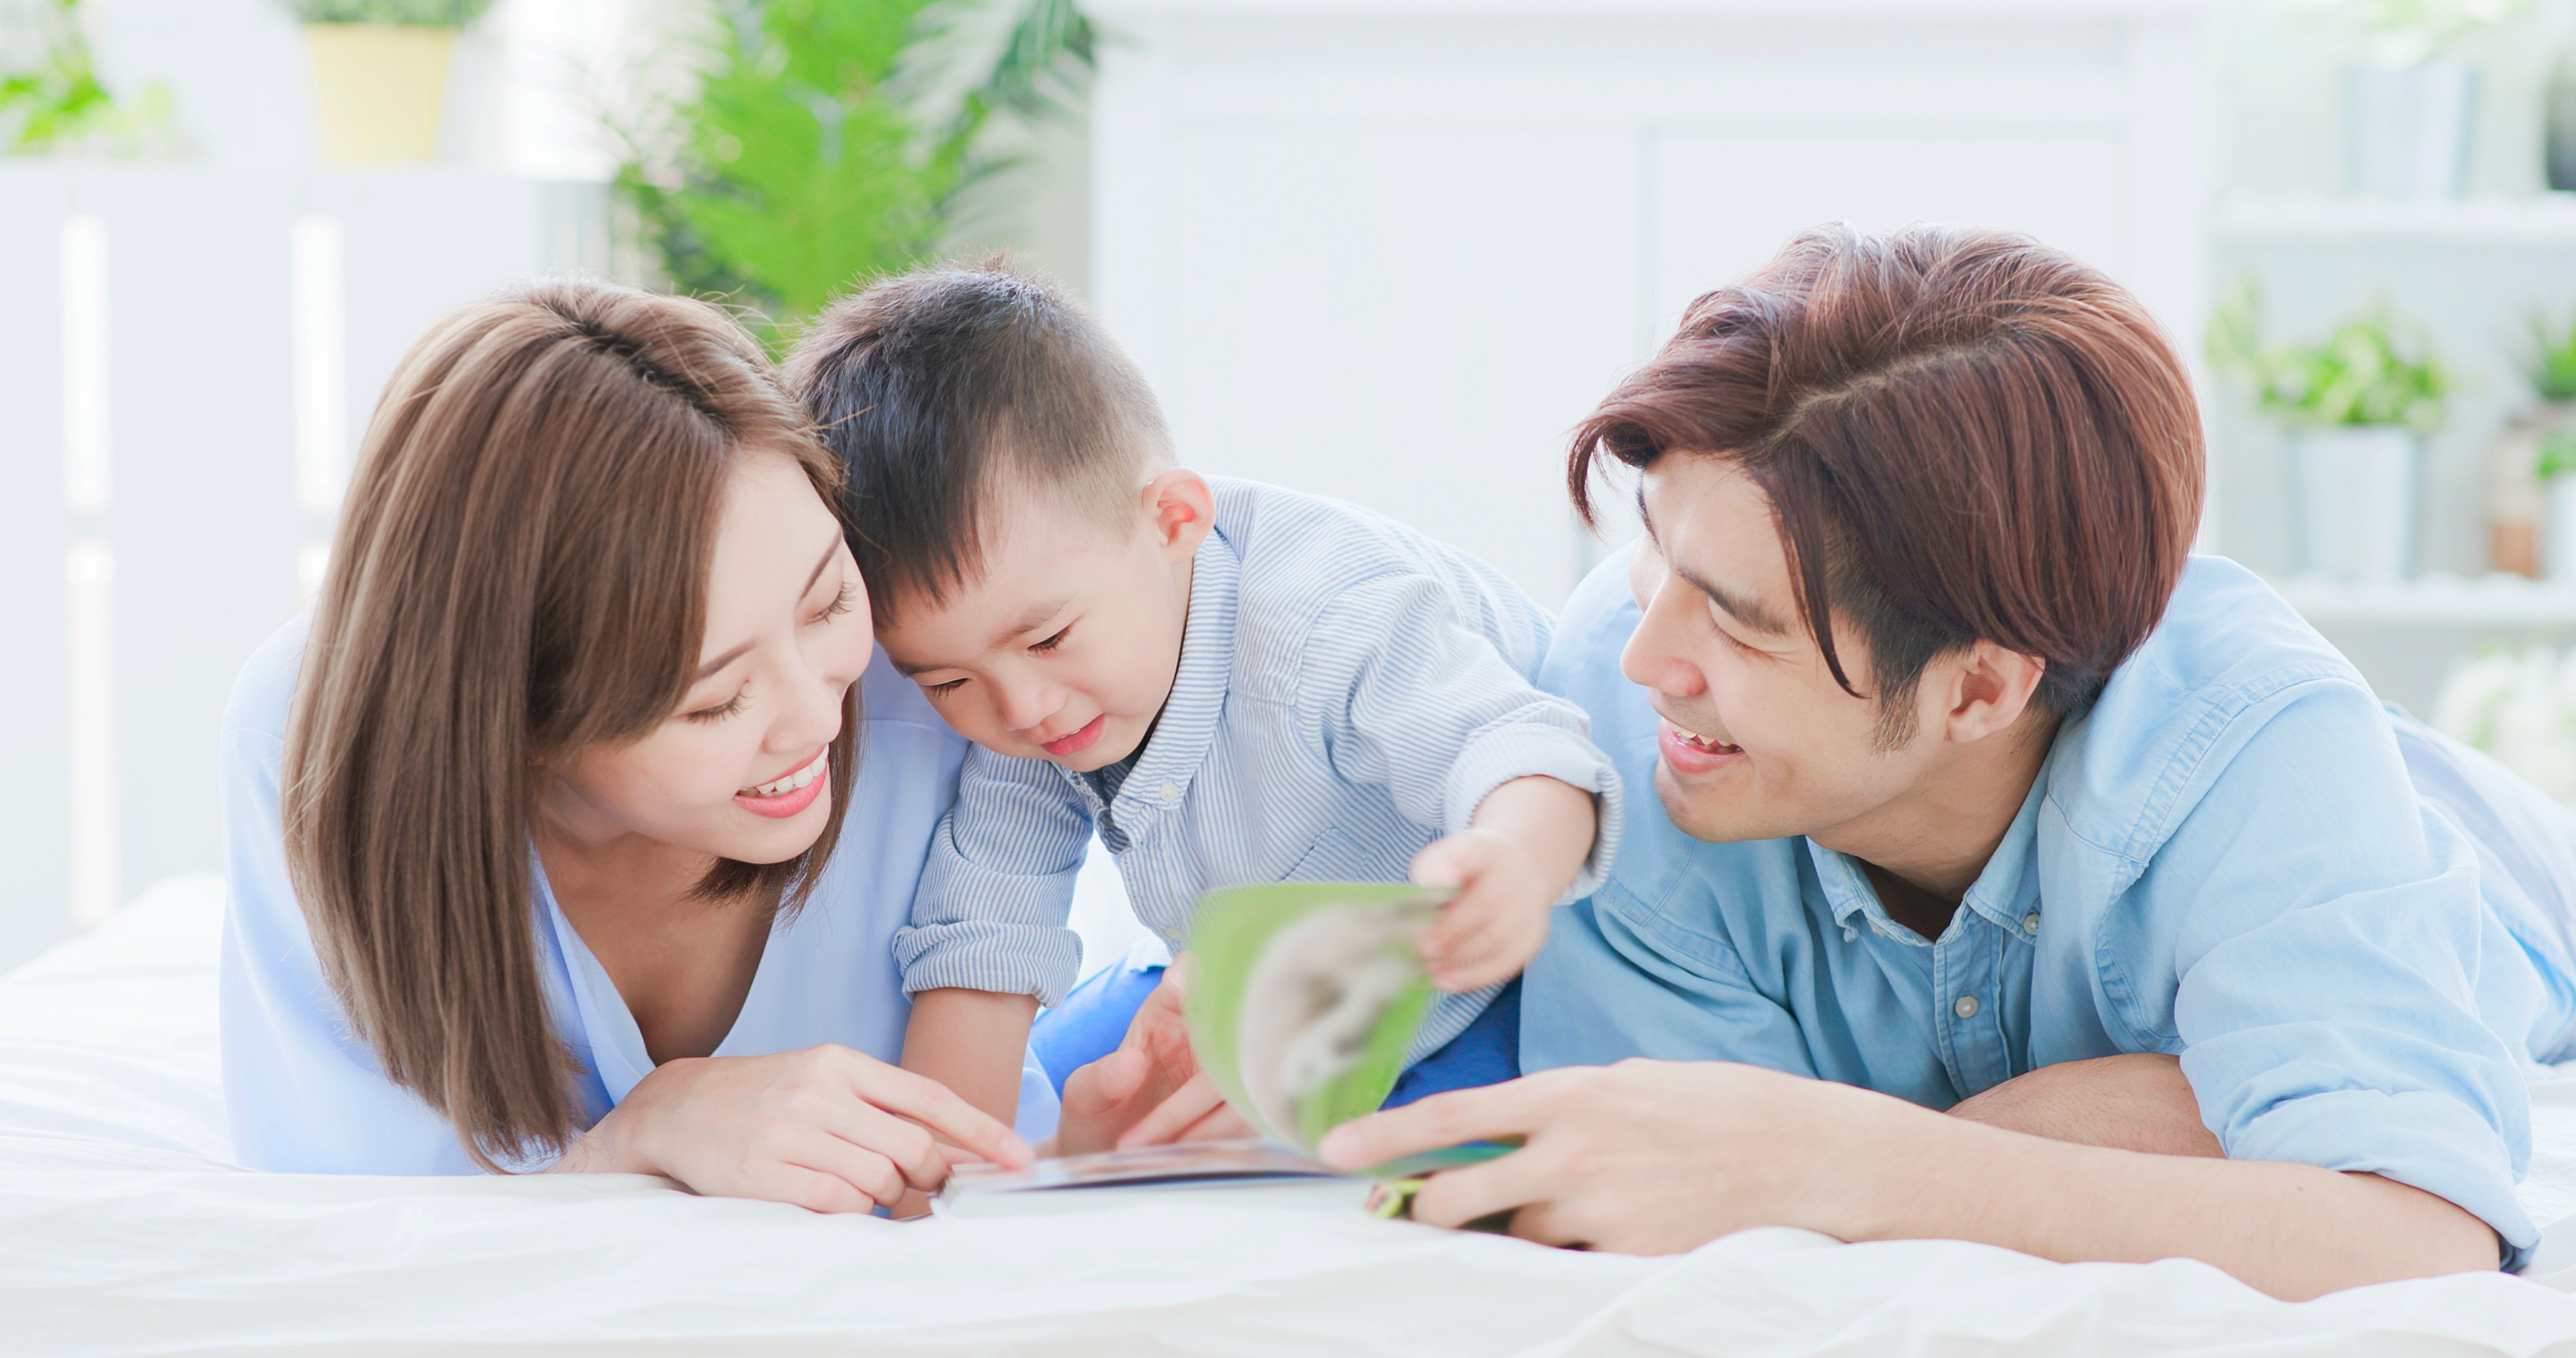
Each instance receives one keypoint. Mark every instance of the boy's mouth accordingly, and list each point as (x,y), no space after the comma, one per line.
(1066,747)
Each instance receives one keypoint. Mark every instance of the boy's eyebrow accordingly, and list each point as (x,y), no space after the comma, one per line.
(1032,620)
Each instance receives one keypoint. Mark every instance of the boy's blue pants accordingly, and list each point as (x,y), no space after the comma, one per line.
(1092,1020)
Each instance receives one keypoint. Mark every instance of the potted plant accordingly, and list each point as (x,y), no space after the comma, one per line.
(2531,468)
(380,72)
(2410,106)
(2357,406)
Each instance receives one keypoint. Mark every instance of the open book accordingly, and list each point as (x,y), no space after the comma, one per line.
(1302,1000)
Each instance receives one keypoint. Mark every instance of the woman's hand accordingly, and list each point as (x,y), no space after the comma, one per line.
(826,1128)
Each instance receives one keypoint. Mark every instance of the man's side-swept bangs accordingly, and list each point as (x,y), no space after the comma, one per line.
(1963,435)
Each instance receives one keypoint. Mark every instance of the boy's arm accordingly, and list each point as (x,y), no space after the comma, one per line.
(971,1041)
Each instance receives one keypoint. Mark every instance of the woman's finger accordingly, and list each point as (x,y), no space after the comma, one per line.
(812,1189)
(1174,1115)
(853,1163)
(908,1146)
(937,1107)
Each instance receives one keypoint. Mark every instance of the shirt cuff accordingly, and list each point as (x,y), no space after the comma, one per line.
(1006,959)
(1504,753)
(2420,1139)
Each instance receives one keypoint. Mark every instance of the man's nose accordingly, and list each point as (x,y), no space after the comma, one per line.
(1651,659)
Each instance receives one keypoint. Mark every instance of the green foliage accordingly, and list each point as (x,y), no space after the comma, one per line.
(2373,369)
(414,13)
(58,104)
(814,151)
(2550,362)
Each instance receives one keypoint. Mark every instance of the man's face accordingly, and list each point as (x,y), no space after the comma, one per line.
(1065,648)
(1757,741)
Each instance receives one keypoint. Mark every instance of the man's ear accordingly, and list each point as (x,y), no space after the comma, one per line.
(1990,690)
(1182,510)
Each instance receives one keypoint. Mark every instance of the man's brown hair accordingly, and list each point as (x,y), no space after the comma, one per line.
(520,573)
(1964,435)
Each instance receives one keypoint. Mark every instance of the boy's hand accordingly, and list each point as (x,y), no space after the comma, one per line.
(1149,1092)
(1494,926)
(1528,840)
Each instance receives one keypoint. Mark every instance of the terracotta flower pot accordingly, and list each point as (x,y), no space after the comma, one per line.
(378,88)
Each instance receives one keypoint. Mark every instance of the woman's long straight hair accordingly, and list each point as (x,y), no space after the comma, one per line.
(520,574)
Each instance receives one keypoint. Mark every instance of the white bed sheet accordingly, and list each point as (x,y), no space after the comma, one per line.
(123,1231)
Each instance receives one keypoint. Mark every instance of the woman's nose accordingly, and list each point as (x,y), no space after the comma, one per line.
(812,714)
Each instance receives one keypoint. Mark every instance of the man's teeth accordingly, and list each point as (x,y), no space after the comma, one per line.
(1696,740)
(789,783)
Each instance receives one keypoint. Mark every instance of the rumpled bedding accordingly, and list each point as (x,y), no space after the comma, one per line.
(124,1231)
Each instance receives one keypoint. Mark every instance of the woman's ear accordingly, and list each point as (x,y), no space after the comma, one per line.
(1181,509)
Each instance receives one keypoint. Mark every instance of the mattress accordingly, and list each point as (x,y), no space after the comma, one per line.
(123,1230)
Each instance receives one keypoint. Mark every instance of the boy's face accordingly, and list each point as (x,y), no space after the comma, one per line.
(1066,648)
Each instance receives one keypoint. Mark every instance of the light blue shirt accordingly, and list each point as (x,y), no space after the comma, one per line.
(2350,929)
(1348,691)
(303,1095)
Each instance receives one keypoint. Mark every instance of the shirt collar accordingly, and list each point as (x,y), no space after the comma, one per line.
(2004,892)
(1187,727)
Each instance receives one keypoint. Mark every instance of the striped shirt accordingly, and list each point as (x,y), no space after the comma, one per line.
(1348,691)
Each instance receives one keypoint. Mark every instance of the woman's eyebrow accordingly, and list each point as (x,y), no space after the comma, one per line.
(736,653)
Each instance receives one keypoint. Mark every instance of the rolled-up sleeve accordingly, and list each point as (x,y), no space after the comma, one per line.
(2329,959)
(1416,701)
(998,887)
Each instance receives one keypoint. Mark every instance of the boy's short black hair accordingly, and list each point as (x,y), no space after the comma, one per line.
(947,388)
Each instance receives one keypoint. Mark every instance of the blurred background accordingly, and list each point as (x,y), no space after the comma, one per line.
(1384,249)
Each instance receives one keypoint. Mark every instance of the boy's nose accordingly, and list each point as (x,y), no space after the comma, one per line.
(1025,710)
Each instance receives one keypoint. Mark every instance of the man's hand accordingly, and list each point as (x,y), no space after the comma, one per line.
(1528,840)
(1644,1157)
(1150,1091)
(1655,1157)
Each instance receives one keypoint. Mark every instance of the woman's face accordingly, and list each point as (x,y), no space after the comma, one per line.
(739,770)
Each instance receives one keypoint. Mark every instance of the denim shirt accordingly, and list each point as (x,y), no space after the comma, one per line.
(2236,855)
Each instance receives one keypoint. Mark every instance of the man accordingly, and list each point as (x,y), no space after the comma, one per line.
(1978,795)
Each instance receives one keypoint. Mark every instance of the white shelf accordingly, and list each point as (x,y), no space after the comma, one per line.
(2547,219)
(2432,601)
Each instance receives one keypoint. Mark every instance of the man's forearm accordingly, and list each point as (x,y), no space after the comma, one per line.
(2136,1102)
(2294,1231)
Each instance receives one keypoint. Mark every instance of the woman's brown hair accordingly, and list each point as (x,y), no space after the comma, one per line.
(1964,436)
(520,574)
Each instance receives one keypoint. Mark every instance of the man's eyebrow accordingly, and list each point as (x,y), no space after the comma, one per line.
(735,654)
(1747,611)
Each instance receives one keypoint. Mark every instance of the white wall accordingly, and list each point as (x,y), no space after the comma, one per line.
(1394,251)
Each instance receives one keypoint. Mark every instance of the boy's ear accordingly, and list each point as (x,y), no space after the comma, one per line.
(1182,509)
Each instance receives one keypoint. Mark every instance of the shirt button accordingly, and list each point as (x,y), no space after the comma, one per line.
(1966,1007)
(2030,923)
(1170,791)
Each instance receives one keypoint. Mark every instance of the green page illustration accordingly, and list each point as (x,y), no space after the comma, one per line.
(1304,997)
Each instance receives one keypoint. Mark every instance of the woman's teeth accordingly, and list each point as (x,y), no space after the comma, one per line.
(789,783)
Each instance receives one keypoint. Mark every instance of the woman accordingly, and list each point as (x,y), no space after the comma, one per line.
(545,864)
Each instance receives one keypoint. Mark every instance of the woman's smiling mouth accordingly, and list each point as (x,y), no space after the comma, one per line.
(790,794)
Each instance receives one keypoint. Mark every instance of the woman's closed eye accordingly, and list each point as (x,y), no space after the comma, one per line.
(840,604)
(942,690)
(720,711)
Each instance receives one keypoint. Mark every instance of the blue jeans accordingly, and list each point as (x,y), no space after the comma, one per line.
(1092,1020)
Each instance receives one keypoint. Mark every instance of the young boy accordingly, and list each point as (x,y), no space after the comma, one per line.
(1226,681)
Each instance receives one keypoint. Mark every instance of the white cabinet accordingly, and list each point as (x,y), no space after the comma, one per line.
(1394,251)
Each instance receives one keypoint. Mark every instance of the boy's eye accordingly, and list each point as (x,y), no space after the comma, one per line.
(1054,641)
(719,712)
